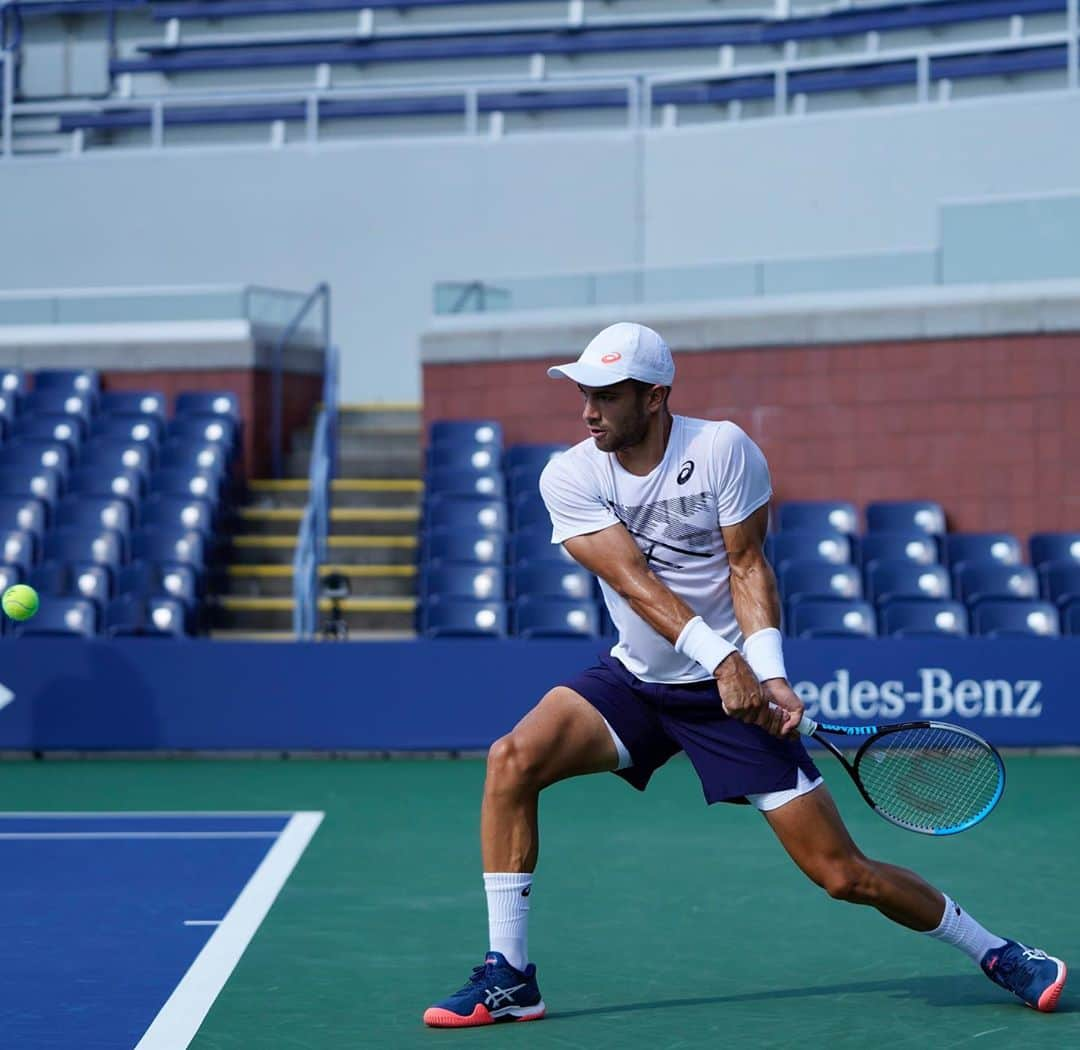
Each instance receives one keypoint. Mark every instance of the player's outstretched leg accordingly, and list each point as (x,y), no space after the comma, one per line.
(811,830)
(563,736)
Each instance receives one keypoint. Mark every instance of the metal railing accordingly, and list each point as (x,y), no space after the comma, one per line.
(311,541)
(319,294)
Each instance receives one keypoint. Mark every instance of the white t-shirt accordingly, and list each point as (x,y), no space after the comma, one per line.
(711,475)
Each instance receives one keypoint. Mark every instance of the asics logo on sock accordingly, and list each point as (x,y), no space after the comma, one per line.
(497,996)
(525,892)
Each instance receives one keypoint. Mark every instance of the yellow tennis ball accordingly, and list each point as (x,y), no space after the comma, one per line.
(20,601)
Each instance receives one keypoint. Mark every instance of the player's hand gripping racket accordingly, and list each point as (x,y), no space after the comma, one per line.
(929,777)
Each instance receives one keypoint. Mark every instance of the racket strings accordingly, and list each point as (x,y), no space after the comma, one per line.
(932,779)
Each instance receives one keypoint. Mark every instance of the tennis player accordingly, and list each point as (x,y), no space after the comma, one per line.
(671,513)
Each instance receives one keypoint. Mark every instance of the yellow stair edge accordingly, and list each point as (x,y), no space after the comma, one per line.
(339,485)
(339,514)
(379,406)
(345,570)
(333,541)
(238,603)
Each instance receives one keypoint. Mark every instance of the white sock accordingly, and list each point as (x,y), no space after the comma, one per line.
(508,915)
(962,931)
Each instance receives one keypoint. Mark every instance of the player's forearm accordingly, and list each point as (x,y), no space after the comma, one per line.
(663,610)
(754,596)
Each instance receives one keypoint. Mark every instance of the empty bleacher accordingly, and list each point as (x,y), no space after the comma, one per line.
(228,70)
(487,567)
(110,510)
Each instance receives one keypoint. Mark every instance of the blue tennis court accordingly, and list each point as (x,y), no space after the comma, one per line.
(119,930)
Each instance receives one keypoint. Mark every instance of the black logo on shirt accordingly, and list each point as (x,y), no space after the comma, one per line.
(685,471)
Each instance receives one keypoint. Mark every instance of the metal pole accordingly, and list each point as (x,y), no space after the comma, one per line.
(311,119)
(472,111)
(157,125)
(922,75)
(780,92)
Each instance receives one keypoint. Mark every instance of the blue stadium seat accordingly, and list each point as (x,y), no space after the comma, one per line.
(145,579)
(464,545)
(543,617)
(201,484)
(1054,546)
(18,548)
(481,459)
(23,513)
(34,453)
(897,546)
(129,428)
(832,618)
(522,481)
(977,582)
(474,433)
(97,546)
(819,579)
(553,580)
(12,381)
(530,511)
(886,580)
(811,545)
(530,546)
(463,618)
(77,617)
(95,512)
(1017,616)
(819,515)
(178,512)
(170,546)
(222,430)
(922,516)
(222,404)
(210,458)
(464,581)
(58,403)
(116,454)
(449,482)
(1060,582)
(8,414)
(81,381)
(916,617)
(1070,617)
(103,481)
(9,576)
(453,512)
(73,580)
(999,548)
(65,429)
(43,483)
(132,615)
(133,403)
(532,457)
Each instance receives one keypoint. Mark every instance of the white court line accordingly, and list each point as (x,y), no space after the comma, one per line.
(22,835)
(184,1011)
(166,813)
(202,922)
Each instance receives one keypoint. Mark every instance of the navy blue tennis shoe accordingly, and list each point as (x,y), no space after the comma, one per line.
(495,992)
(1030,974)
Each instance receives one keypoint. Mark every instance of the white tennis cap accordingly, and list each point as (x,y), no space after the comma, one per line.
(622,351)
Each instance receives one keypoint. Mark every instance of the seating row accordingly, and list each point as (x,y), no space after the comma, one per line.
(542,616)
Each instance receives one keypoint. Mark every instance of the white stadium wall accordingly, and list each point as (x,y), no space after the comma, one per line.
(383,221)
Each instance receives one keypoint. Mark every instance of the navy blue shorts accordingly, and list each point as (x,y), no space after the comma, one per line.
(655,721)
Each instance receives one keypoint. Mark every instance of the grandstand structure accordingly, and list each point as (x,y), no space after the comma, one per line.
(87,74)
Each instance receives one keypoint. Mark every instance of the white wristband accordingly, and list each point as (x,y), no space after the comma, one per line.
(764,653)
(700,642)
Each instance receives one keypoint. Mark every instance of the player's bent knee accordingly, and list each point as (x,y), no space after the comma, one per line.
(512,765)
(850,881)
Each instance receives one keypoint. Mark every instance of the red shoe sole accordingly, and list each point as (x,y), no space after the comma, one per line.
(1049,999)
(436,1018)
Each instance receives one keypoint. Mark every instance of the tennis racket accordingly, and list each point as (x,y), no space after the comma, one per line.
(929,777)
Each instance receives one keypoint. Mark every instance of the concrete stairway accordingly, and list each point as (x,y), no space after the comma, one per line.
(374,520)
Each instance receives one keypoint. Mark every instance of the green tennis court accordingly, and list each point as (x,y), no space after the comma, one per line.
(656,922)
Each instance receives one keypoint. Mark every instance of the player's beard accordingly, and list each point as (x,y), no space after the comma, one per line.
(631,433)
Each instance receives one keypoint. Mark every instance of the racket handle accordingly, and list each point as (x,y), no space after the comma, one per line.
(807,726)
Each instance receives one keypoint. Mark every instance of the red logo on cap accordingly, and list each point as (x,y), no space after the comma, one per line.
(610,359)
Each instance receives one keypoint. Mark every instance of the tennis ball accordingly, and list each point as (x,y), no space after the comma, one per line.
(20,602)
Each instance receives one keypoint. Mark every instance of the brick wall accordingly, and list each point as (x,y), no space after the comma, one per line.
(989,427)
(252,387)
